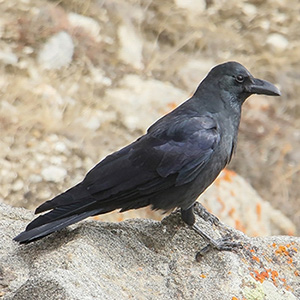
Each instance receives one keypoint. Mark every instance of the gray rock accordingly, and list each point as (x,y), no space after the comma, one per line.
(193,69)
(150,98)
(129,36)
(237,204)
(143,259)
(57,52)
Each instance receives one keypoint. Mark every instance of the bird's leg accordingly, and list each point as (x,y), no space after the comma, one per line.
(203,213)
(222,244)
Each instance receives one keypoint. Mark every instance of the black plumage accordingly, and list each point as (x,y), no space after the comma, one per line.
(168,167)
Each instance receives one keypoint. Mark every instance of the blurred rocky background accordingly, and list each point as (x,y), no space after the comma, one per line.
(80,79)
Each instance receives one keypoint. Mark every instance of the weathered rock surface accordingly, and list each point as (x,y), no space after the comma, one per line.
(143,259)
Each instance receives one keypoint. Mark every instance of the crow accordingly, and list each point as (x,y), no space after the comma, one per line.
(170,166)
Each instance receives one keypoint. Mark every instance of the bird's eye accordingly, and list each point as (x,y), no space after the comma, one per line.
(239,78)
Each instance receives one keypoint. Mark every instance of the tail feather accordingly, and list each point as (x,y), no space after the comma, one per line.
(60,213)
(38,232)
(73,206)
(73,195)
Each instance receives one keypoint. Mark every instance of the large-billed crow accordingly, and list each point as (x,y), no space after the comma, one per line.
(170,166)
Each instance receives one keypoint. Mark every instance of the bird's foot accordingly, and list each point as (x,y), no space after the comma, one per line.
(222,244)
(202,212)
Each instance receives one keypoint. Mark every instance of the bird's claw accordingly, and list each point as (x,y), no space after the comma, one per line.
(203,213)
(223,244)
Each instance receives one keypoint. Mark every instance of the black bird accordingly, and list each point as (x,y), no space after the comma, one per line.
(170,166)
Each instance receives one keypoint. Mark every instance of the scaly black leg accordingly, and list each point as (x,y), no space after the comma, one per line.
(202,212)
(222,244)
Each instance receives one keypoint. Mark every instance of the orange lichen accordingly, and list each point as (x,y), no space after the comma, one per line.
(265,274)
(222,203)
(287,287)
(120,218)
(258,211)
(234,298)
(274,275)
(297,273)
(231,212)
(239,226)
(289,260)
(171,105)
(274,245)
(282,250)
(255,258)
(203,276)
(260,276)
(228,175)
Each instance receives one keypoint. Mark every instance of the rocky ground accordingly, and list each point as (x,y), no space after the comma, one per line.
(144,259)
(79,79)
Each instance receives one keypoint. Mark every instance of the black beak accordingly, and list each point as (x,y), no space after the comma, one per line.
(264,87)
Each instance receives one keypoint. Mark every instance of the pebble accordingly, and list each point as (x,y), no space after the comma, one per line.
(88,24)
(249,9)
(60,147)
(57,52)
(35,178)
(54,173)
(93,123)
(8,58)
(129,54)
(190,5)
(17,185)
(277,41)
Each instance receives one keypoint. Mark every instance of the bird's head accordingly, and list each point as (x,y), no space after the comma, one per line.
(235,83)
(235,79)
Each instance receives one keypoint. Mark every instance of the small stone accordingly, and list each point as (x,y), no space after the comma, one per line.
(129,54)
(88,24)
(99,77)
(17,185)
(8,58)
(54,173)
(57,52)
(35,178)
(194,7)
(60,147)
(249,9)
(277,41)
(93,123)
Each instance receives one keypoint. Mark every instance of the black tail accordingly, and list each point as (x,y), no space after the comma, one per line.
(73,206)
(30,235)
